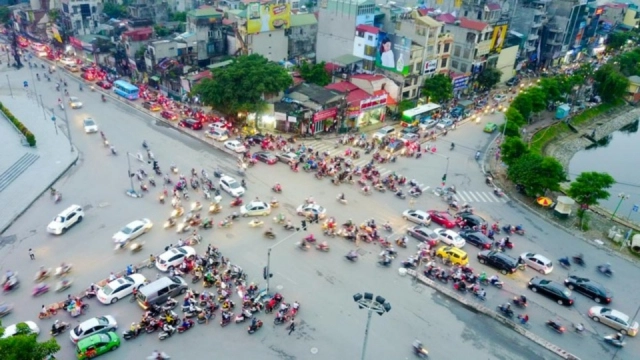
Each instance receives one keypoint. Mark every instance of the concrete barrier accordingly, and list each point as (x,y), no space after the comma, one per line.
(477,307)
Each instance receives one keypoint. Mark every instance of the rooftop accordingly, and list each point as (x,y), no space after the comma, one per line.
(303,20)
(342,87)
(473,24)
(367,29)
(316,93)
(205,13)
(635,79)
(357,95)
(368,77)
(446,18)
(429,21)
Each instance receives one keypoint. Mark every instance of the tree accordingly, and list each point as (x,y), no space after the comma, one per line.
(538,99)
(114,10)
(438,88)
(590,187)
(489,77)
(510,129)
(24,346)
(611,85)
(180,16)
(5,14)
(406,105)
(617,40)
(536,173)
(514,115)
(629,62)
(315,73)
(161,31)
(241,86)
(553,89)
(512,149)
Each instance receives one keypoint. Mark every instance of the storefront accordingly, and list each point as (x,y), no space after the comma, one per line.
(367,112)
(324,121)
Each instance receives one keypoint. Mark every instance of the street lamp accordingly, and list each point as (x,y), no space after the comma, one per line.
(266,271)
(379,305)
(622,197)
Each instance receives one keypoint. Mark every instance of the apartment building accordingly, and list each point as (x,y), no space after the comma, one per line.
(473,40)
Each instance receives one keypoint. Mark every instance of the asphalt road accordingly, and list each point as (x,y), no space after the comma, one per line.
(330,325)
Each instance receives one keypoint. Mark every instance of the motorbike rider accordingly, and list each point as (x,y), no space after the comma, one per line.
(417,345)
(185,323)
(341,197)
(523,300)
(168,328)
(42,273)
(277,187)
(134,329)
(506,307)
(56,327)
(523,318)
(494,279)
(402,241)
(226,317)
(366,189)
(130,269)
(44,311)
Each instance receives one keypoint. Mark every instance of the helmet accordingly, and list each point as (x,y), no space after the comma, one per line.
(132,324)
(57,322)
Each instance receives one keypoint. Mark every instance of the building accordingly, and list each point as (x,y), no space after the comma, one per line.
(156,10)
(322,108)
(527,24)
(633,94)
(261,28)
(562,35)
(80,17)
(303,35)
(473,40)
(205,29)
(337,20)
(632,17)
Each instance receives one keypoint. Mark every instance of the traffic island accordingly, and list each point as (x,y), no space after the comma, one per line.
(479,308)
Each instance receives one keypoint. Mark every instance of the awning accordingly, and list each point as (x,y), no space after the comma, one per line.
(544,201)
(346,60)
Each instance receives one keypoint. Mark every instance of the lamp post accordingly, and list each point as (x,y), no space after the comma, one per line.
(378,305)
(131,175)
(622,197)
(266,271)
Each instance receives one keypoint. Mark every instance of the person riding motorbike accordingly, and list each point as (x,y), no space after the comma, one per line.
(341,197)
(42,273)
(167,328)
(44,311)
(277,187)
(494,279)
(366,189)
(402,241)
(57,327)
(352,255)
(523,300)
(523,319)
(417,346)
(506,307)
(134,329)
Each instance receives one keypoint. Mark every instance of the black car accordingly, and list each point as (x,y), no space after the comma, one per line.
(477,239)
(513,81)
(499,260)
(256,138)
(589,288)
(191,124)
(472,220)
(551,289)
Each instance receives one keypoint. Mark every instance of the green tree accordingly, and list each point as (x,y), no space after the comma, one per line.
(5,13)
(25,346)
(512,149)
(241,86)
(590,187)
(114,10)
(161,31)
(489,77)
(617,40)
(521,104)
(536,173)
(406,105)
(315,73)
(538,99)
(179,16)
(512,129)
(513,116)
(438,88)
(629,62)
(610,83)
(553,89)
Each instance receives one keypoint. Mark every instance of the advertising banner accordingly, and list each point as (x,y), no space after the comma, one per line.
(394,53)
(374,102)
(267,17)
(498,37)
(430,66)
(325,114)
(460,83)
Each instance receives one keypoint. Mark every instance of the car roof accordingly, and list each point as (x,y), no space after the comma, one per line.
(257,203)
(227,178)
(94,339)
(452,249)
(616,313)
(135,222)
(411,211)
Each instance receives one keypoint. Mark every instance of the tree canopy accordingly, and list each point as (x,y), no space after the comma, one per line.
(610,83)
(25,346)
(536,173)
(522,103)
(617,39)
(179,16)
(489,77)
(315,73)
(512,149)
(513,116)
(4,14)
(438,88)
(114,10)
(629,62)
(590,187)
(241,86)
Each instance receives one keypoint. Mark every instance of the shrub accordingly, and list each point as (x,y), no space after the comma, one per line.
(31,139)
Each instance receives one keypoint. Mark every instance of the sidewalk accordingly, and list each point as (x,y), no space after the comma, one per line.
(25,172)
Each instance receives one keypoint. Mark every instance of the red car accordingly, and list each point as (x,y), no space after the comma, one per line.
(169,115)
(442,218)
(191,124)
(104,84)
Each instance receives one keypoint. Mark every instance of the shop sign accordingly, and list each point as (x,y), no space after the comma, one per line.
(374,102)
(280,116)
(292,119)
(460,83)
(325,114)
(430,66)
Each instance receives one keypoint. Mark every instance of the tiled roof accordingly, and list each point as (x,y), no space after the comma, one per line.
(446,18)
(390,100)
(425,11)
(493,7)
(367,28)
(616,5)
(342,86)
(368,77)
(472,24)
(357,96)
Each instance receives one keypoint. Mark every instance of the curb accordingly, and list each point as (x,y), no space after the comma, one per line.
(476,307)
(62,173)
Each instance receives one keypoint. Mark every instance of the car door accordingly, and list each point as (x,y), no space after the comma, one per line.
(71,218)
(124,289)
(137,230)
(225,185)
(587,290)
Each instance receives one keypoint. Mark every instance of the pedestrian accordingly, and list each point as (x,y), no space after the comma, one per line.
(292,325)
(31,254)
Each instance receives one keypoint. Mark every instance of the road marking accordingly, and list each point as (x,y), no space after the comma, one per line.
(287,278)
(472,195)
(424,188)
(482,197)
(494,197)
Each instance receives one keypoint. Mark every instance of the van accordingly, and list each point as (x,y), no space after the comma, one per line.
(66,219)
(384,132)
(160,290)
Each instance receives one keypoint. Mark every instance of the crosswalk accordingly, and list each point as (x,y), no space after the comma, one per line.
(478,196)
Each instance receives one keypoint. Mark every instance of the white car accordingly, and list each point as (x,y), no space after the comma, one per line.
(409,138)
(121,287)
(235,145)
(132,230)
(255,208)
(11,330)
(217,134)
(231,186)
(417,216)
(173,257)
(96,325)
(500,97)
(450,237)
(68,61)
(90,126)
(74,102)
(537,262)
(313,209)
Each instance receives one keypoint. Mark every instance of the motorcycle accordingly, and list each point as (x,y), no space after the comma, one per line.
(253,328)
(63,285)
(196,206)
(555,326)
(519,302)
(400,242)
(499,284)
(40,289)
(341,200)
(63,270)
(128,335)
(269,234)
(277,189)
(226,321)
(578,260)
(5,309)
(42,275)
(50,312)
(237,202)
(420,351)
(214,208)
(505,311)
(190,314)
(225,224)
(244,315)
(183,227)
(605,269)
(303,245)
(565,262)
(62,328)
(11,283)
(182,328)
(169,223)
(165,334)
(323,247)
(614,340)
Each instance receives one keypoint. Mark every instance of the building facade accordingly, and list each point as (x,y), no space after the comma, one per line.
(302,35)
(80,17)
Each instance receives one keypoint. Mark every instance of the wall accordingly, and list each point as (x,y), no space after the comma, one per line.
(506,61)
(302,40)
(273,45)
(336,29)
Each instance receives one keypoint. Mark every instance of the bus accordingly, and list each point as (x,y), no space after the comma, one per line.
(419,114)
(125,89)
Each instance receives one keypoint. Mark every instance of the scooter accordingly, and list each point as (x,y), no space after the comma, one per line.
(605,269)
(42,275)
(556,326)
(182,328)
(613,340)
(244,315)
(63,285)
(63,270)
(63,327)
(252,329)
(40,289)
(505,311)
(165,334)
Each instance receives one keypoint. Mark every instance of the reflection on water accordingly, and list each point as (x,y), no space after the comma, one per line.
(616,154)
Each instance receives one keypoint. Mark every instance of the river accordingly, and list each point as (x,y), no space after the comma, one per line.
(619,155)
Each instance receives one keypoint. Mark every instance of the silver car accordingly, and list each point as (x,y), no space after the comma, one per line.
(614,319)
(537,262)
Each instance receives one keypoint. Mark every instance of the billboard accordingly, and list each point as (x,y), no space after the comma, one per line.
(498,37)
(267,17)
(430,66)
(394,53)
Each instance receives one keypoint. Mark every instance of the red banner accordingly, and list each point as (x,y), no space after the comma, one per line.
(325,114)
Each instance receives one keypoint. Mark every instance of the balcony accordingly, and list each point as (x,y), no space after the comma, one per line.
(536,25)
(554,41)
(556,30)
(529,47)
(532,37)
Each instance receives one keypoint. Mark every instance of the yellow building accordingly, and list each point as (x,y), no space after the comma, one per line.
(633,94)
(632,18)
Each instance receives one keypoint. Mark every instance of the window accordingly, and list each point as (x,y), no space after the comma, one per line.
(370,50)
(471,37)
(443,63)
(487,36)
(456,51)
(430,49)
(467,53)
(369,38)
(405,95)
(446,48)
(454,64)
(463,67)
(417,67)
(438,49)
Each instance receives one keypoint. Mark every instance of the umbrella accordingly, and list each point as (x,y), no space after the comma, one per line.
(544,201)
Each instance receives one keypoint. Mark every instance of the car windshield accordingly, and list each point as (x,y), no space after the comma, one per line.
(89,122)
(126,230)
(566,292)
(233,185)
(77,331)
(107,290)
(59,219)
